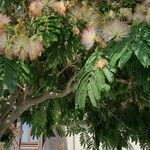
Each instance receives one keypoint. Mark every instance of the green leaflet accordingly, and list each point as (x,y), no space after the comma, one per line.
(124,57)
(142,54)
(1,88)
(25,73)
(38,123)
(91,94)
(48,27)
(138,42)
(9,71)
(100,80)
(57,36)
(117,55)
(87,69)
(90,62)
(52,60)
(108,74)
(112,49)
(94,87)
(93,91)
(92,82)
(81,93)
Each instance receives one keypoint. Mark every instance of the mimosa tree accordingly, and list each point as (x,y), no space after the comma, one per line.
(84,65)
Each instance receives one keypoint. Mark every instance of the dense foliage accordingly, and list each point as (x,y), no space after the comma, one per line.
(81,65)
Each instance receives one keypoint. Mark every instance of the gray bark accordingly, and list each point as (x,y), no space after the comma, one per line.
(31,101)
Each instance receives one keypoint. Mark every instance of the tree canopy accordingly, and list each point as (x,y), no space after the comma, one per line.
(83,65)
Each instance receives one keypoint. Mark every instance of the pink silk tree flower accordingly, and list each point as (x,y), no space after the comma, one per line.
(21,47)
(59,7)
(36,47)
(88,37)
(35,8)
(115,30)
(3,21)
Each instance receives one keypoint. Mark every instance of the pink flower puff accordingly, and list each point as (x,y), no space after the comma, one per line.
(36,48)
(59,7)
(35,8)
(88,37)
(4,19)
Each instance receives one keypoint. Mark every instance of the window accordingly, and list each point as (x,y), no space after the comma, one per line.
(26,135)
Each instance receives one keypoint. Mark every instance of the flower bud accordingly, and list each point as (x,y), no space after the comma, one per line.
(75,30)
(101,64)
(99,40)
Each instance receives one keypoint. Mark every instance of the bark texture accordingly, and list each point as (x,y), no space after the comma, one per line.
(9,114)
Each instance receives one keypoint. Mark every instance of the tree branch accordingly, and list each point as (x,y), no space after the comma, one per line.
(47,95)
(31,101)
(10,103)
(123,81)
(51,94)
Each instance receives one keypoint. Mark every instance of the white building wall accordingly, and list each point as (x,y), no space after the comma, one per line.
(74,143)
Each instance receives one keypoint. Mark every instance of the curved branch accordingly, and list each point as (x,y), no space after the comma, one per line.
(51,95)
(48,95)
(31,101)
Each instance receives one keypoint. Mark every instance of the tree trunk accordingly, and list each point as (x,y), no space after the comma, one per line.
(4,125)
(29,102)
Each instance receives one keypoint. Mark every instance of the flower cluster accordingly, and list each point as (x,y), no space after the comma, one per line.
(59,7)
(88,37)
(115,30)
(24,47)
(21,46)
(87,14)
(4,20)
(114,25)
(36,7)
